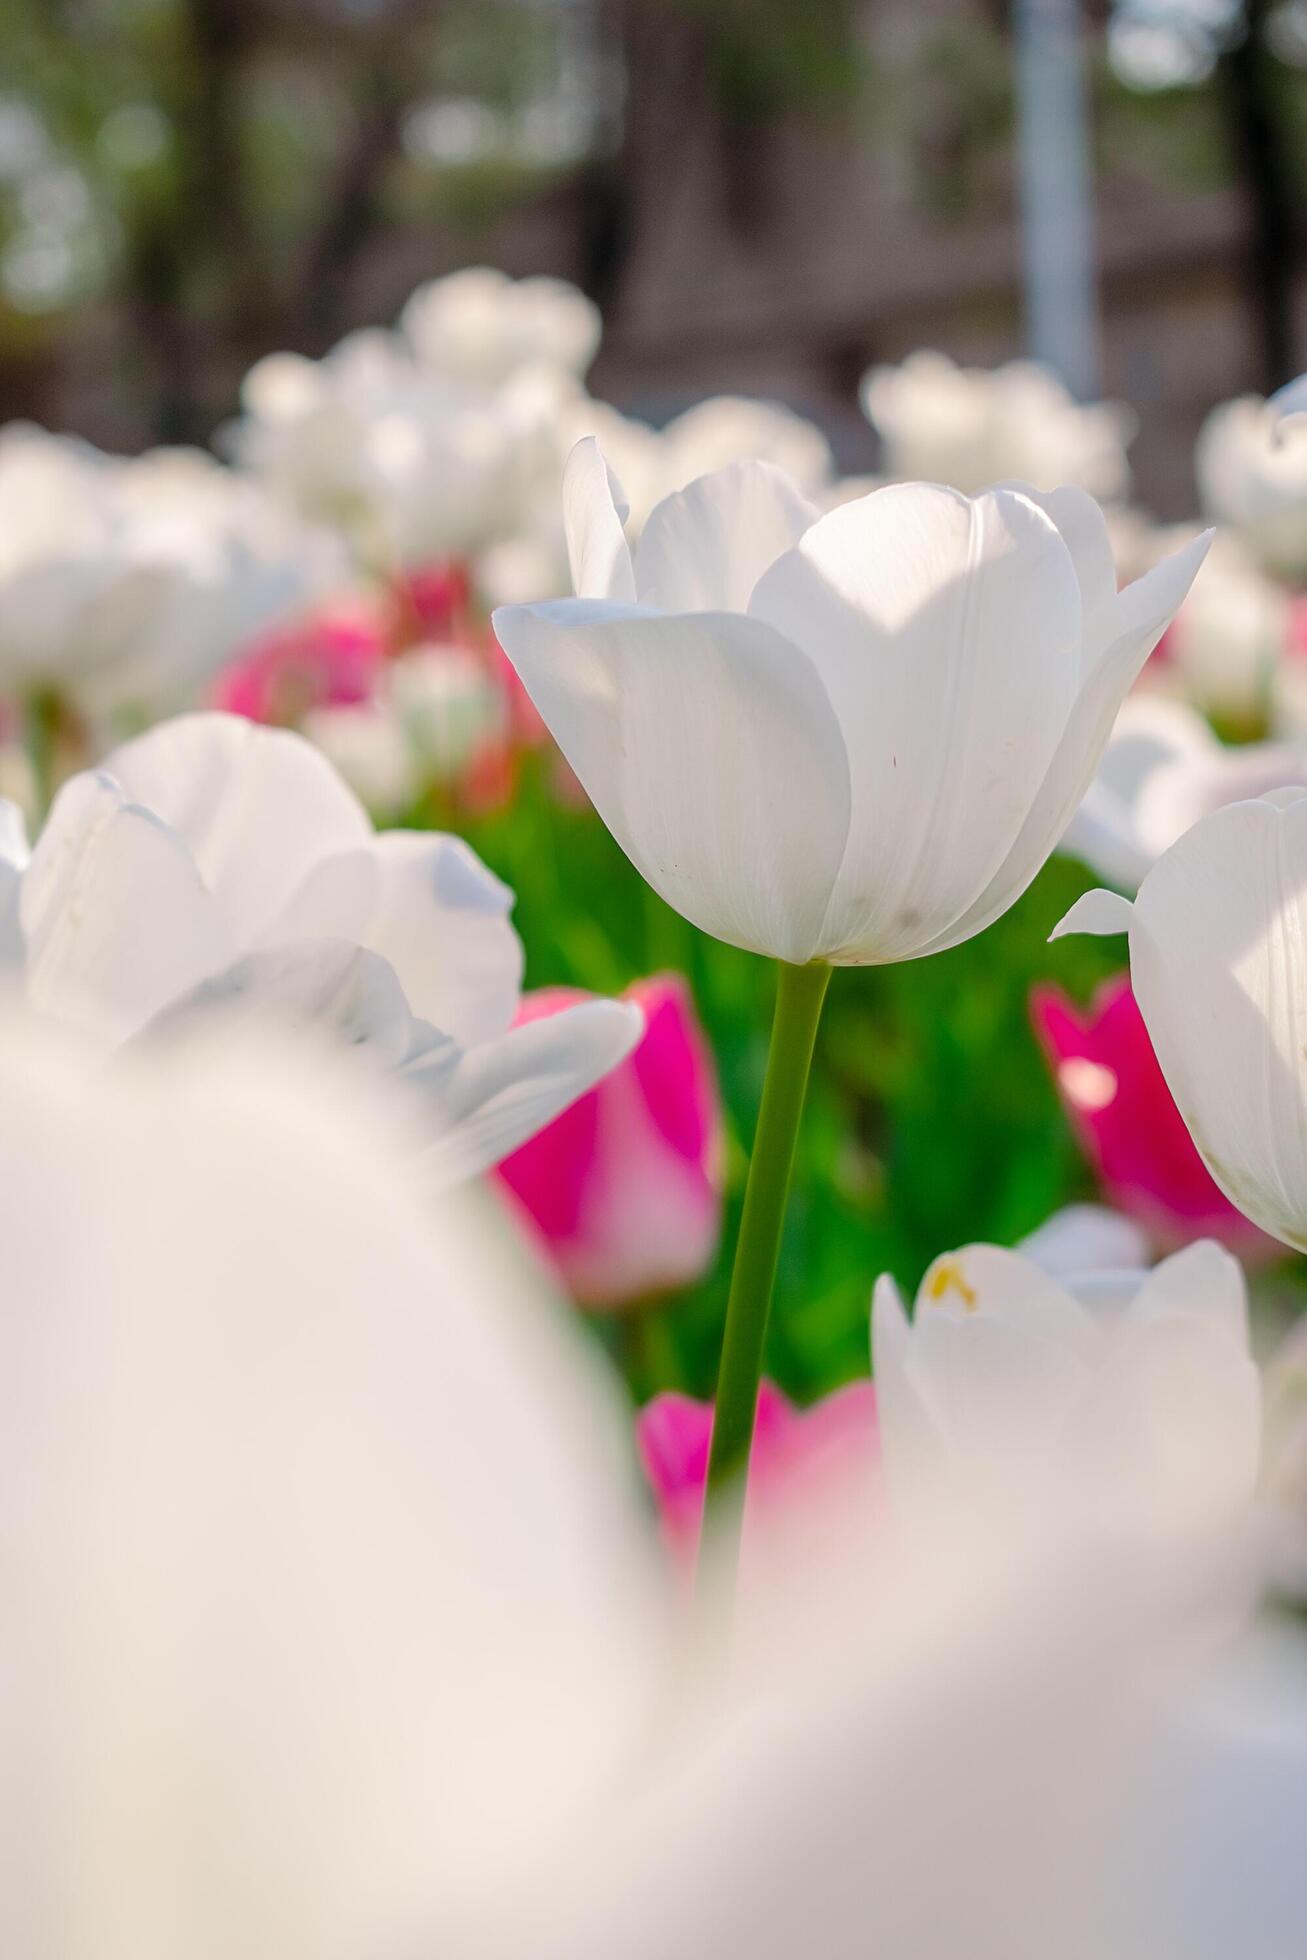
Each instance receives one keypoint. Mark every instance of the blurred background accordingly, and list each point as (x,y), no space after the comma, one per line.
(762,195)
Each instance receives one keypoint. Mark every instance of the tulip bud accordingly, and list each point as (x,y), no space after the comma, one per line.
(625,1188)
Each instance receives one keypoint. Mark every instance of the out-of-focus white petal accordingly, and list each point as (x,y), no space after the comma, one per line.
(1204,1282)
(1086,1239)
(1171,1425)
(115,917)
(594,513)
(711,750)
(989,1282)
(483,1102)
(320,1561)
(948,634)
(910,1441)
(428,905)
(704,548)
(1290,400)
(325,988)
(256,807)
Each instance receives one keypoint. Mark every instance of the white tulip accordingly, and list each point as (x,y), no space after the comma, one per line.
(851,738)
(479,325)
(367,745)
(448,705)
(213,867)
(324,1578)
(409,463)
(124,584)
(1162,770)
(1130,1393)
(1253,477)
(1218,962)
(1226,649)
(1287,404)
(975,426)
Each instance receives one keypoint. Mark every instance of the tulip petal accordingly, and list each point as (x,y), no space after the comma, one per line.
(328,986)
(429,906)
(990,1282)
(710,749)
(1173,1422)
(1098,913)
(15,855)
(1291,400)
(593,515)
(114,914)
(1219,970)
(909,1436)
(1083,530)
(489,1100)
(948,633)
(1204,1282)
(257,807)
(1139,618)
(704,548)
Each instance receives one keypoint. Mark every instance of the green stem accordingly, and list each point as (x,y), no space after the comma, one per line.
(800,992)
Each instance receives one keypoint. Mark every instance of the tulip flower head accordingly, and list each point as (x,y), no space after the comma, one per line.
(1252,476)
(1162,770)
(216,868)
(1126,1121)
(852,738)
(331,660)
(1126,1390)
(1218,963)
(624,1188)
(976,426)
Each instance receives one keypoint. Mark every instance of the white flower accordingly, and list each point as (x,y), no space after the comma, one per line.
(975,426)
(448,705)
(1131,1393)
(409,463)
(324,1582)
(1253,478)
(1287,404)
(854,737)
(481,326)
(124,584)
(1218,962)
(653,463)
(214,868)
(1226,648)
(1162,770)
(367,745)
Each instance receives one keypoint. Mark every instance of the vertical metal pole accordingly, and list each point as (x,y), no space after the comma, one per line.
(1061,301)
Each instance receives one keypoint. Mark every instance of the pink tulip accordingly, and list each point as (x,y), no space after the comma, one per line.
(624,1187)
(431,602)
(802,1459)
(330,660)
(1126,1121)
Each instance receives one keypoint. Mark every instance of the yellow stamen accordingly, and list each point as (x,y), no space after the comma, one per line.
(946,1277)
